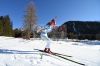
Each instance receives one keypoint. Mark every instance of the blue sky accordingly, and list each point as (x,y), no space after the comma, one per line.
(65,10)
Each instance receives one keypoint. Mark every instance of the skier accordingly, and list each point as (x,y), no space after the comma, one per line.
(43,34)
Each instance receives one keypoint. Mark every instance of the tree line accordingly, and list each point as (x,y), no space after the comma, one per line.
(79,30)
(6,26)
(82,29)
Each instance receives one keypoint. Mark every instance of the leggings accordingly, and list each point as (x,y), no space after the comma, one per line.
(48,41)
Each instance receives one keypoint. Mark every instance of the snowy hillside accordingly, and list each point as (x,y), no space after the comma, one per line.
(20,52)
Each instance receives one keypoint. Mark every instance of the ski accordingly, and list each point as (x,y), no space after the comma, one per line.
(70,60)
(59,55)
(55,53)
(62,54)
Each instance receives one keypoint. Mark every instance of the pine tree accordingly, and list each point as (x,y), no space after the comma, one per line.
(17,33)
(1,26)
(7,26)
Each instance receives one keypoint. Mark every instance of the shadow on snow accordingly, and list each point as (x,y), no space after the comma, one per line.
(7,51)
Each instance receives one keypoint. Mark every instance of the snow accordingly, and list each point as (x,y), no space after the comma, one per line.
(21,52)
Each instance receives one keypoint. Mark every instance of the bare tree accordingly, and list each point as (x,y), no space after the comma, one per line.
(29,19)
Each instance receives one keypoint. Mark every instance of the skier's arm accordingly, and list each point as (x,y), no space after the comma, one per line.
(48,29)
(39,30)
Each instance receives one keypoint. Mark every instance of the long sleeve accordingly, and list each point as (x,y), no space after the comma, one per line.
(46,29)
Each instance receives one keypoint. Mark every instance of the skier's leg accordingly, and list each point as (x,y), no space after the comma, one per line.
(48,43)
(43,37)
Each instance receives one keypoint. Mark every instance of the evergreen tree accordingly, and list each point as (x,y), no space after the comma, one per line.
(1,27)
(17,33)
(7,26)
